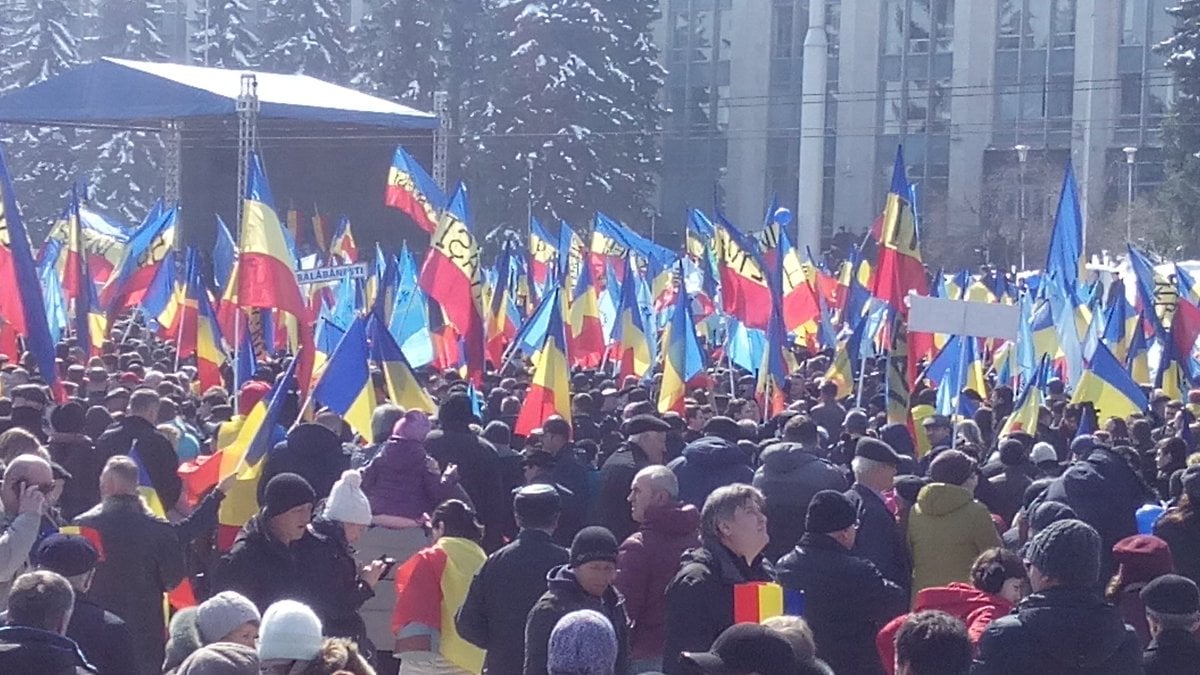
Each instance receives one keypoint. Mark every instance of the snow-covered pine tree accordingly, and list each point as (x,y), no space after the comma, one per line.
(306,36)
(396,51)
(221,38)
(124,175)
(36,43)
(557,90)
(1180,192)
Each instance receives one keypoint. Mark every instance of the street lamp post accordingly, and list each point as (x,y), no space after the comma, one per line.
(1130,164)
(530,159)
(1022,158)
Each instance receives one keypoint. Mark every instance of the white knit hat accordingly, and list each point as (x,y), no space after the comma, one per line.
(347,503)
(291,631)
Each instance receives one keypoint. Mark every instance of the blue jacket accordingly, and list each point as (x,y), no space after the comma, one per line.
(707,464)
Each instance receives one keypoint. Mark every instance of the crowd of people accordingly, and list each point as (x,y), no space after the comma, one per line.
(617,540)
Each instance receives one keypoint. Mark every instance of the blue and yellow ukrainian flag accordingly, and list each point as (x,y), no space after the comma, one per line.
(345,385)
(402,386)
(1107,386)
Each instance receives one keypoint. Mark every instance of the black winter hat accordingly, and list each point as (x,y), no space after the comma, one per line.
(66,554)
(723,427)
(68,418)
(1048,513)
(1067,551)
(746,648)
(829,511)
(593,543)
(1171,594)
(285,492)
(877,450)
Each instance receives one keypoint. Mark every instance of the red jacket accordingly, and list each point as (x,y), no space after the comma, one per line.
(646,563)
(974,607)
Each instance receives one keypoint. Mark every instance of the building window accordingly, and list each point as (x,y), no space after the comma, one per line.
(1009,25)
(1060,96)
(893,108)
(1062,23)
(893,29)
(782,31)
(1131,94)
(833,25)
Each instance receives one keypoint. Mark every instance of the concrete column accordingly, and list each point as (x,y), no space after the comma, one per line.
(974,71)
(812,131)
(749,78)
(859,190)
(1097,39)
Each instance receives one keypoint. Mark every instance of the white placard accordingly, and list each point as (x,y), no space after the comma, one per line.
(961,317)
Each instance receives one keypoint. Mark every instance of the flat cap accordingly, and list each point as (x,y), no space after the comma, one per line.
(876,450)
(67,554)
(642,423)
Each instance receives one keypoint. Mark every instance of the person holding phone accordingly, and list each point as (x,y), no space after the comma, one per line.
(335,583)
(27,481)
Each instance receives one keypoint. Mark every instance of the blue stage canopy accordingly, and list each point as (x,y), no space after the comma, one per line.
(140,95)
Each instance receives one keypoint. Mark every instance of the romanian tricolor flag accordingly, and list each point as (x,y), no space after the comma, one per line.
(744,292)
(609,248)
(543,254)
(345,386)
(550,391)
(413,191)
(146,249)
(343,249)
(757,601)
(630,340)
(586,339)
(22,305)
(145,486)
(502,317)
(682,359)
(899,270)
(452,276)
(1185,331)
(402,386)
(320,226)
(242,443)
(430,587)
(571,254)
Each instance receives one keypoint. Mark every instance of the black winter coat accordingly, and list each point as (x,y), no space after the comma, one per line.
(142,560)
(1183,536)
(153,448)
(564,595)
(1172,652)
(846,601)
(1061,631)
(1105,493)
(103,638)
(700,599)
(330,574)
(880,539)
(29,650)
(708,464)
(312,451)
(77,454)
(260,567)
(503,591)
(479,474)
(616,475)
(789,476)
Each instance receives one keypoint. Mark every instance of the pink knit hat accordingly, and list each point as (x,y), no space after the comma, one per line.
(414,425)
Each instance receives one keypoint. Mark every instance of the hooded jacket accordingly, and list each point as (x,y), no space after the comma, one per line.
(1105,493)
(789,476)
(646,563)
(311,450)
(398,483)
(947,530)
(700,598)
(30,650)
(846,601)
(975,608)
(564,595)
(1062,631)
(708,464)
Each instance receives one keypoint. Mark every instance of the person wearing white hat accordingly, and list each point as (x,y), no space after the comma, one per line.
(335,583)
(290,632)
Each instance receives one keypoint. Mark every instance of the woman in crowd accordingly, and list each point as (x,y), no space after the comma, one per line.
(430,589)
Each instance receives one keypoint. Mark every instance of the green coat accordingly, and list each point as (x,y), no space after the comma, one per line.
(947,529)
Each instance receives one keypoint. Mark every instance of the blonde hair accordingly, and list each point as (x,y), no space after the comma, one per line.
(17,441)
(796,631)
